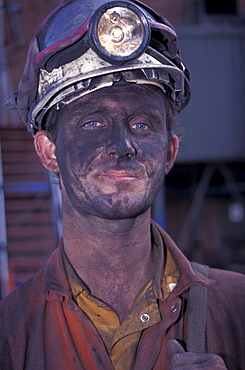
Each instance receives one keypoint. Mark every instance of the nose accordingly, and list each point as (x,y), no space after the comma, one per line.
(120,145)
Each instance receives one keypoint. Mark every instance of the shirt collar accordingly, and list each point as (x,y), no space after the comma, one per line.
(188,276)
(166,274)
(56,280)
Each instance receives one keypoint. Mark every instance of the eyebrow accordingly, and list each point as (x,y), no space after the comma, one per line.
(150,110)
(87,108)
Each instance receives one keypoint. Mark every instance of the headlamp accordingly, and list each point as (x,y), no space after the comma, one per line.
(85,45)
(119,31)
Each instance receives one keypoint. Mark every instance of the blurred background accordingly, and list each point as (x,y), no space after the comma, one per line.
(202,205)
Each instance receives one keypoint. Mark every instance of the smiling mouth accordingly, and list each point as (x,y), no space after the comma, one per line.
(119,175)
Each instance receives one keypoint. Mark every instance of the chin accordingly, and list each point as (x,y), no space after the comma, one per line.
(120,209)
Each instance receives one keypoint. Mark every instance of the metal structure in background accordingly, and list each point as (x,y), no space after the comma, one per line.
(10,10)
(4,274)
(214,119)
(11,117)
(6,117)
(201,190)
(5,88)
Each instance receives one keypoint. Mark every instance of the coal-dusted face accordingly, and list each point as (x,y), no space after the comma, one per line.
(113,152)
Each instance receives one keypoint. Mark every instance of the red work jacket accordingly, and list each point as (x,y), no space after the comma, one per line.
(41,327)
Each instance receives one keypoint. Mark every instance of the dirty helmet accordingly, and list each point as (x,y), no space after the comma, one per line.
(83,46)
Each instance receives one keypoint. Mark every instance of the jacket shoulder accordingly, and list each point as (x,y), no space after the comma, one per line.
(229,287)
(228,280)
(17,306)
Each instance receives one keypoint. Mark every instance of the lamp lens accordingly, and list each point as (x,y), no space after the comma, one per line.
(120,31)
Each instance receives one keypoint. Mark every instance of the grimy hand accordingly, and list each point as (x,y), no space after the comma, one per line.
(179,359)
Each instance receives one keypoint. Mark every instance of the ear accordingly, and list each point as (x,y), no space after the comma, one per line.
(172,152)
(45,149)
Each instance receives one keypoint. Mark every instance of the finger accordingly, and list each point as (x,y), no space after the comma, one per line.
(174,347)
(205,360)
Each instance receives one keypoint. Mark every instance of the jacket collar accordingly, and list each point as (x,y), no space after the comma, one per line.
(188,276)
(56,284)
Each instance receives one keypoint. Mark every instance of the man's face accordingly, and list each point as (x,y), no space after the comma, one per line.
(111,150)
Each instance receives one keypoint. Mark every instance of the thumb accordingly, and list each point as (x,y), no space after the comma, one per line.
(174,347)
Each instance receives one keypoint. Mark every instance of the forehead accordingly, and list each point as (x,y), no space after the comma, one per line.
(130,97)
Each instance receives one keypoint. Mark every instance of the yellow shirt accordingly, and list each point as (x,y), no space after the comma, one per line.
(123,340)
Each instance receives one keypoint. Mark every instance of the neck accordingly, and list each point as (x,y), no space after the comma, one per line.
(113,258)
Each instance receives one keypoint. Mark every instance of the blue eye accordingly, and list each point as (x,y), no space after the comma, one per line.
(93,124)
(140,126)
